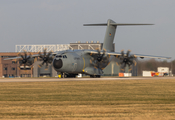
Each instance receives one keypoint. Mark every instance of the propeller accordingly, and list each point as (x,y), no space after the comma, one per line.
(46,58)
(99,60)
(126,59)
(25,59)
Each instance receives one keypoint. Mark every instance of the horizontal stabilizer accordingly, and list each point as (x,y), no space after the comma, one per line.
(102,24)
(115,24)
(123,24)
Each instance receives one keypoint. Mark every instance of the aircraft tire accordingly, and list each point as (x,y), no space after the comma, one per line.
(71,76)
(63,75)
(97,76)
(92,76)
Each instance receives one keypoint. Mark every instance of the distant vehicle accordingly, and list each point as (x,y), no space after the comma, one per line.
(90,62)
(165,74)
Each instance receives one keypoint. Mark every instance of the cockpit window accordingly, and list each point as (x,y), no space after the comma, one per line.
(64,56)
(59,56)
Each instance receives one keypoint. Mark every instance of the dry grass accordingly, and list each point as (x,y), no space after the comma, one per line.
(125,99)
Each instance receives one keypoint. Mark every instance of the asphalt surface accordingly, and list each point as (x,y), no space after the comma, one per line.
(77,79)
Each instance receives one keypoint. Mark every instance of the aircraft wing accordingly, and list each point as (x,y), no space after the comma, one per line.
(119,53)
(32,56)
(11,58)
(151,56)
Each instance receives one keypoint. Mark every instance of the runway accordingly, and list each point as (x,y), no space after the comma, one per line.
(3,80)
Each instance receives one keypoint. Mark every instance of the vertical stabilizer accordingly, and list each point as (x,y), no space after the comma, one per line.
(109,36)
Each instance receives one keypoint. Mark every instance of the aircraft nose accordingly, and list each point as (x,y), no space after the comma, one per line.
(57,63)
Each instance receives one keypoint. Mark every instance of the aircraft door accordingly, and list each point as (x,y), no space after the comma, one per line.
(74,66)
(77,63)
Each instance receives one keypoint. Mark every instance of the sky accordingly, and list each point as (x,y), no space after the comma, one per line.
(61,22)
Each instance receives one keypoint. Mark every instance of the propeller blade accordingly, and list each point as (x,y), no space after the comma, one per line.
(19,67)
(46,57)
(117,63)
(130,68)
(40,59)
(20,63)
(47,64)
(121,62)
(90,61)
(126,60)
(22,56)
(50,60)
(99,61)
(49,54)
(122,53)
(28,57)
(103,53)
(24,66)
(40,55)
(128,53)
(135,63)
(25,54)
(124,65)
(99,53)
(25,59)
(45,52)
(39,65)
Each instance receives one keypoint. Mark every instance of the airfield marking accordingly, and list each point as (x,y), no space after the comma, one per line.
(76,79)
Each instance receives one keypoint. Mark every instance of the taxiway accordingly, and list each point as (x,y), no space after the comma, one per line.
(77,79)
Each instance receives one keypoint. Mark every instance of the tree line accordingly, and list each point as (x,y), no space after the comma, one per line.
(152,65)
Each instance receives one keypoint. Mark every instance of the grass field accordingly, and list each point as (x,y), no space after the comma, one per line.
(120,99)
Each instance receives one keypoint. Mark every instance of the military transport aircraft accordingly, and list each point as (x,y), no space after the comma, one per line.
(89,62)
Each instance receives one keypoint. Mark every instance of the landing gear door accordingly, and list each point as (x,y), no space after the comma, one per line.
(74,67)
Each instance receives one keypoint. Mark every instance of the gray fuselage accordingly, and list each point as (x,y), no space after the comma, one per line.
(74,62)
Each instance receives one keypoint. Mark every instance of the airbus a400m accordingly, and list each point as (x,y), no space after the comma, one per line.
(90,62)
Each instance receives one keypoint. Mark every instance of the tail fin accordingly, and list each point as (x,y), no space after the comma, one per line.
(110,32)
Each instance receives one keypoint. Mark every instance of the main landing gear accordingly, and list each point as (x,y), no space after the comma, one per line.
(95,76)
(63,75)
